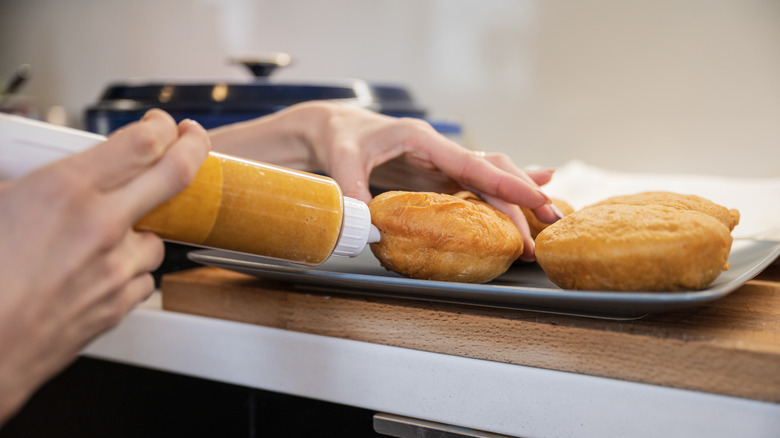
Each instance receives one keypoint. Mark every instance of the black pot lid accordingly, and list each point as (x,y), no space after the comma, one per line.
(260,95)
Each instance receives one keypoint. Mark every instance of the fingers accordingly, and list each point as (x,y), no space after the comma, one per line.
(160,164)
(493,174)
(518,218)
(111,309)
(136,291)
(115,281)
(143,252)
(134,254)
(541,176)
(503,162)
(168,176)
(129,151)
(501,183)
(546,212)
(497,181)
(477,172)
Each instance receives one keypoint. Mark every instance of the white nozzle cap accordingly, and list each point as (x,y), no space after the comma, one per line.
(356,229)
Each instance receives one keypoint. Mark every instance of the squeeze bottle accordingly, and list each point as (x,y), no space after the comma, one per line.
(232,203)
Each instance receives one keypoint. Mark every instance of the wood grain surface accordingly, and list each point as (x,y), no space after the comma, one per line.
(730,346)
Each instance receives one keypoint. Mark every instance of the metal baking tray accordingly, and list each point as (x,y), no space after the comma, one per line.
(525,286)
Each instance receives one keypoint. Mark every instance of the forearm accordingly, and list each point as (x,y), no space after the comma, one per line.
(22,367)
(19,381)
(12,397)
(283,138)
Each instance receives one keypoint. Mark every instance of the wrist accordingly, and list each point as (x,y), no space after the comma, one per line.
(310,123)
(282,138)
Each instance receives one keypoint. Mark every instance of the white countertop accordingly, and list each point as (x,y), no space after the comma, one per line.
(496,397)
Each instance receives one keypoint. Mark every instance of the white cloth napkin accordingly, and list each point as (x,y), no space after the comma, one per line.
(757,199)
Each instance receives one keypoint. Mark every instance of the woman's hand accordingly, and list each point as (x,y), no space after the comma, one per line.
(71,263)
(352,144)
(409,154)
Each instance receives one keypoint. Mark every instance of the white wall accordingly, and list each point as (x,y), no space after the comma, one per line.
(666,86)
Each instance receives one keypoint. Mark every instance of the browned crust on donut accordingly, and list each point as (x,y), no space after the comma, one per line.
(434,236)
(630,247)
(729,218)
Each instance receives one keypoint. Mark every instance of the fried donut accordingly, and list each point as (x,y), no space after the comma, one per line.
(434,236)
(729,218)
(626,247)
(536,225)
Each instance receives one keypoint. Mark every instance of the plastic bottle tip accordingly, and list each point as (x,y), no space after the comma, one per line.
(373,234)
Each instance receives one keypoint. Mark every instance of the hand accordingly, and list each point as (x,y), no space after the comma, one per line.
(415,156)
(352,144)
(71,264)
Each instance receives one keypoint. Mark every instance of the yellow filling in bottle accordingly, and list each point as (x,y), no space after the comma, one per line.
(251,207)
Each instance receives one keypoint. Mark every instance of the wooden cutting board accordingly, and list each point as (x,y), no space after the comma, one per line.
(730,346)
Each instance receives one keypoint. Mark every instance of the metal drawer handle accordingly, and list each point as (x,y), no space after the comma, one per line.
(404,427)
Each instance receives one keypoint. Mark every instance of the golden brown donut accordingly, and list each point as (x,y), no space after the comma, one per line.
(626,247)
(434,236)
(729,218)
(536,225)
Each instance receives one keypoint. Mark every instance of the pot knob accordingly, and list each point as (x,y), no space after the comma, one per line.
(263,65)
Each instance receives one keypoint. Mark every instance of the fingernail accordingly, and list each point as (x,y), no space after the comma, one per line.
(530,257)
(189,123)
(556,211)
(546,198)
